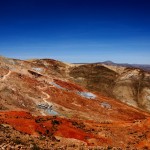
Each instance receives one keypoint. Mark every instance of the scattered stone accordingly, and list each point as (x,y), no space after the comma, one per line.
(87,95)
(56,85)
(105,105)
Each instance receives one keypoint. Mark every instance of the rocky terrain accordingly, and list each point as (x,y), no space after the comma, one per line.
(127,84)
(48,104)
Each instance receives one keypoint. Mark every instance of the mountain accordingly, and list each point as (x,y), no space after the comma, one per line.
(127,84)
(48,104)
(145,67)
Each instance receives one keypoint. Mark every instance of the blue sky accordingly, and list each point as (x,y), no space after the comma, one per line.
(76,30)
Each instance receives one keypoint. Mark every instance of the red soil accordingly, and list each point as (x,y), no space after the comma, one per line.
(68,85)
(135,134)
(26,123)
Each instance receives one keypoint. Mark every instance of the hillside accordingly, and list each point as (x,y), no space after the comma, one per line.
(127,84)
(48,104)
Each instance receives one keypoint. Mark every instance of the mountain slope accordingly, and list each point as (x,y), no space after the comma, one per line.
(39,99)
(129,85)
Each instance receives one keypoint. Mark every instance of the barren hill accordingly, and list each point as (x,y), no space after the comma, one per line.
(48,104)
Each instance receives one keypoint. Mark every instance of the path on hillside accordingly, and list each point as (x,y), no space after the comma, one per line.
(44,93)
(5,76)
(47,97)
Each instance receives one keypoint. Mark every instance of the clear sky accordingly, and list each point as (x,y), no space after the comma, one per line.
(76,30)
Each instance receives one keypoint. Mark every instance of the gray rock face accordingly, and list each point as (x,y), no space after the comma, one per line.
(57,86)
(87,95)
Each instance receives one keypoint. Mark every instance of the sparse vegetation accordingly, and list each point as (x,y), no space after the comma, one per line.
(35,147)
(55,122)
(78,125)
(18,141)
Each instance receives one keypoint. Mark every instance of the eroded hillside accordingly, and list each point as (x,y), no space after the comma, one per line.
(124,83)
(129,85)
(48,104)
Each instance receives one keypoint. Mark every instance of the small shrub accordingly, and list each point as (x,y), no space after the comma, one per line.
(18,141)
(35,147)
(55,122)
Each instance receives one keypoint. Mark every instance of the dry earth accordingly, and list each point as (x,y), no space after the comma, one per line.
(47,104)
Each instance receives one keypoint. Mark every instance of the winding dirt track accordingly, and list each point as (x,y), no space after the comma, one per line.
(5,76)
(47,97)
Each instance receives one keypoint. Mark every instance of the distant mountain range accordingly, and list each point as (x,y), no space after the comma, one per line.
(145,67)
